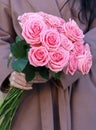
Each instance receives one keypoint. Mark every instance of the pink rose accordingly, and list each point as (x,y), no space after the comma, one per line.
(58,60)
(66,43)
(27,17)
(38,56)
(52,21)
(72,64)
(32,29)
(72,31)
(78,48)
(50,38)
(85,60)
(23,18)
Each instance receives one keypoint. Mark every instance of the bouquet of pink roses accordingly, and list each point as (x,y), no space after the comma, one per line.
(54,43)
(50,45)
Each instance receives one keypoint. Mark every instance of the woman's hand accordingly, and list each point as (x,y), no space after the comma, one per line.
(18,80)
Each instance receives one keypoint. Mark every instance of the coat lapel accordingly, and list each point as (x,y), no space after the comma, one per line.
(47,6)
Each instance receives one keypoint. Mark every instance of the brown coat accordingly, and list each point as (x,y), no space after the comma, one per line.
(47,107)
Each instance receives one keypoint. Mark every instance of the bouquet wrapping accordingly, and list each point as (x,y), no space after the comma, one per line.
(49,45)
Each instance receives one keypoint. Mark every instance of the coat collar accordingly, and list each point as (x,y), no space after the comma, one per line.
(47,6)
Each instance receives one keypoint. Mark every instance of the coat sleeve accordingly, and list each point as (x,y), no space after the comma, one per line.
(90,38)
(7,35)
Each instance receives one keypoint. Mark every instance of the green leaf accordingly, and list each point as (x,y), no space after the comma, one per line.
(19,49)
(18,39)
(29,71)
(44,72)
(9,59)
(19,64)
(56,75)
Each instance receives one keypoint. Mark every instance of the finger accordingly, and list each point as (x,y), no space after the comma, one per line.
(22,74)
(14,78)
(13,83)
(29,85)
(19,81)
(19,76)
